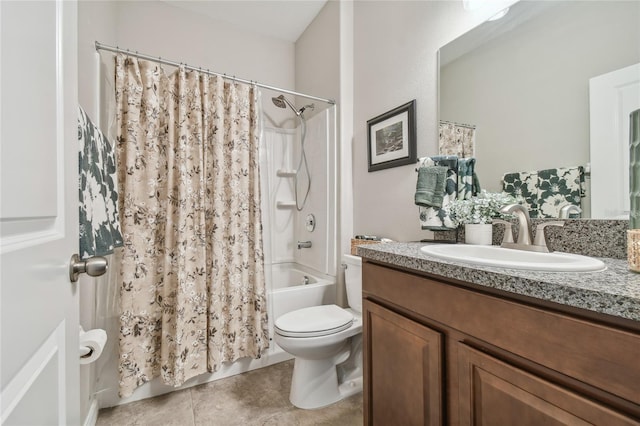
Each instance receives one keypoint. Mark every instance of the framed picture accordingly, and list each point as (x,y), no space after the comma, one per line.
(392,138)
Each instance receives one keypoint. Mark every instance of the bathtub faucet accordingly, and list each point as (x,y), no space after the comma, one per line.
(304,244)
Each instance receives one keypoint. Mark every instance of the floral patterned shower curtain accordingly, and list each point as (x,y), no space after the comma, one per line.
(192,277)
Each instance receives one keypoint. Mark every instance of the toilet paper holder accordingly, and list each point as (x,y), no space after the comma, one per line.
(92,343)
(85,351)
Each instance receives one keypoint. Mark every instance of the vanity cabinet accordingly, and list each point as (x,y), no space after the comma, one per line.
(446,352)
(406,358)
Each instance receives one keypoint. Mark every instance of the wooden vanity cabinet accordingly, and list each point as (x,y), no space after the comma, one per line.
(406,359)
(439,352)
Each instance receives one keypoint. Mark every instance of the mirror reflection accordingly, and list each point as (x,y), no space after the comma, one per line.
(523,82)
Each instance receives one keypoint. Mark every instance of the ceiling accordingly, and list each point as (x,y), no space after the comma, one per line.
(281,19)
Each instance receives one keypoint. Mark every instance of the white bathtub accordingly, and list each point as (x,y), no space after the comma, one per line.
(294,286)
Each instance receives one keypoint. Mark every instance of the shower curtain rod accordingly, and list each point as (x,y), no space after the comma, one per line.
(158,59)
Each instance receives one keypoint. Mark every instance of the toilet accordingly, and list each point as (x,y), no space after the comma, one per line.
(326,342)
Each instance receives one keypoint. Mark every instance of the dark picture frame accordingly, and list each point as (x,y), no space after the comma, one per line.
(391,138)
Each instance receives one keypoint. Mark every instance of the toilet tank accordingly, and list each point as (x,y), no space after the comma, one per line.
(353,280)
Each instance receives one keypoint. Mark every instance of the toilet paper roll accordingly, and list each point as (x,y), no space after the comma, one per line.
(92,343)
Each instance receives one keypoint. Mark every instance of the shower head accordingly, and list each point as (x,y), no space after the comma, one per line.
(282,102)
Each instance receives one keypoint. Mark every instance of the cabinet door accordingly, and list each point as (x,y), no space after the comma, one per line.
(403,370)
(492,392)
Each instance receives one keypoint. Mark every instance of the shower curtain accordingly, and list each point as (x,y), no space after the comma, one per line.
(192,282)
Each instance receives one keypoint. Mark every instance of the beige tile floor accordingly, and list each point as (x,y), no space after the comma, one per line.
(259,397)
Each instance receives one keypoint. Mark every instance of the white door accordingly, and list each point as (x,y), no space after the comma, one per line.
(39,364)
(612,97)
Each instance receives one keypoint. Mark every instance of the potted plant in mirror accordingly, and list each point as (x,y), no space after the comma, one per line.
(477,213)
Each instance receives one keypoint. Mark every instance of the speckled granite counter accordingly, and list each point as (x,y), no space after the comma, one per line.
(615,291)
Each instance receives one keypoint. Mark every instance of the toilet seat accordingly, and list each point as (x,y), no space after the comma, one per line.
(314,321)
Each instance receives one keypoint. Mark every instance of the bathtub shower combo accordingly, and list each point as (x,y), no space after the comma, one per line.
(298,152)
(298,208)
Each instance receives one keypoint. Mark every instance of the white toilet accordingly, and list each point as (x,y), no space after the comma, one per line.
(326,342)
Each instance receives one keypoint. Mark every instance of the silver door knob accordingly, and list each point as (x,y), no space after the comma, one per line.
(94,267)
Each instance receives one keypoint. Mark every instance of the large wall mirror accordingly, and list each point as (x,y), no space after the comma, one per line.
(523,82)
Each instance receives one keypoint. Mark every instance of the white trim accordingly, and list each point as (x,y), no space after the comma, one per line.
(59,223)
(92,415)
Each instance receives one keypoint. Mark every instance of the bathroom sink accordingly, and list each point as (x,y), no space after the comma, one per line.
(516,259)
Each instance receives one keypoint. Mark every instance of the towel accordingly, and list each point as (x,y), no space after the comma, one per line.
(558,187)
(468,183)
(99,224)
(434,218)
(430,186)
(545,192)
(523,186)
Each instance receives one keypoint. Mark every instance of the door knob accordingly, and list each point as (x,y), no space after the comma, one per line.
(94,267)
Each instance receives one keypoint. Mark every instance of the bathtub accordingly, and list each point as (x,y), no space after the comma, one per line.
(294,286)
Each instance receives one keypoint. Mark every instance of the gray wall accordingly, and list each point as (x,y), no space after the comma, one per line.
(323,58)
(528,90)
(395,51)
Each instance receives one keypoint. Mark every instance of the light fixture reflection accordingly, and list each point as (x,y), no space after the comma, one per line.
(499,15)
(471,5)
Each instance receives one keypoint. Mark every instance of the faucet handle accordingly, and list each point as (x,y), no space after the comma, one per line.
(508,230)
(568,209)
(540,239)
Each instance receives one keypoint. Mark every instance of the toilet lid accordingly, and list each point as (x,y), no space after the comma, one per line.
(314,321)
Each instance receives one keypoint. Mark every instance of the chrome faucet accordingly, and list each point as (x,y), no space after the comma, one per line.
(524,224)
(567,209)
(304,244)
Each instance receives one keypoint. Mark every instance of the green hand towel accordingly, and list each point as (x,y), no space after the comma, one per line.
(430,186)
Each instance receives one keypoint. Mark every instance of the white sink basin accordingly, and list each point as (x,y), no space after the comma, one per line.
(516,259)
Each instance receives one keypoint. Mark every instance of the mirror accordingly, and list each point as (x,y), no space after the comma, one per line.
(523,82)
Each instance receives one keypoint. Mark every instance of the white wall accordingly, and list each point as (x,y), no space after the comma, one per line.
(395,50)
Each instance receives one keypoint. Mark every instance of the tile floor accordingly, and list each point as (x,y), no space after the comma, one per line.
(258,397)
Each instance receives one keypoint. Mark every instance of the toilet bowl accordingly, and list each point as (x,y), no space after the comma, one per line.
(326,342)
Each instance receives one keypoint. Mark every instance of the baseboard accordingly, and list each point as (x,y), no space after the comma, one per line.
(92,415)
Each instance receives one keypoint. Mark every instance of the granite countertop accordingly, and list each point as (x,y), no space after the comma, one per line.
(614,291)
